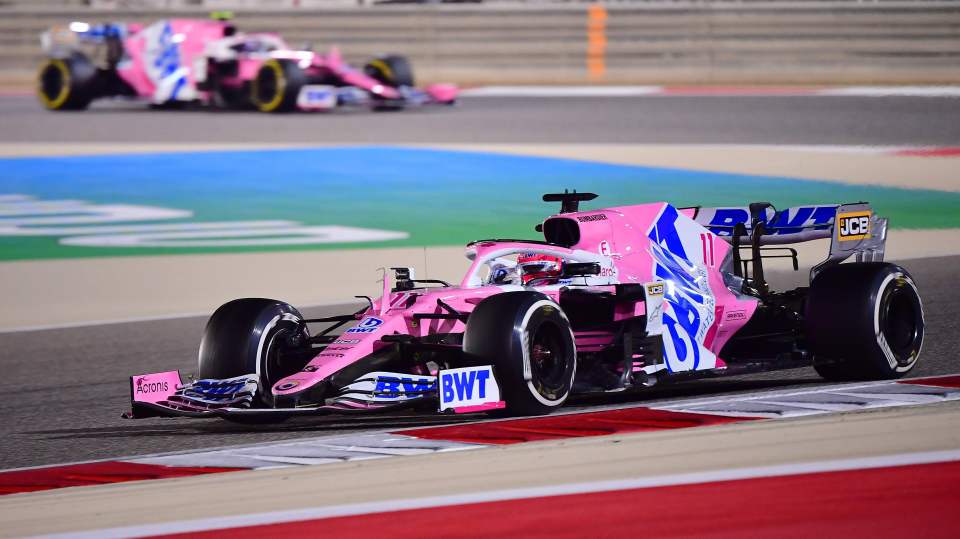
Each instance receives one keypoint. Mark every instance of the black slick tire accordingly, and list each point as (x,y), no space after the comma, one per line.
(246,336)
(527,339)
(390,69)
(67,83)
(864,321)
(277,86)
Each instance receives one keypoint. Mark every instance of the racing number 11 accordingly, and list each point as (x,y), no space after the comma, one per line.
(707,241)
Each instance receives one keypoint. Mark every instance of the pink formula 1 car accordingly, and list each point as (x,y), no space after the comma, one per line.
(612,299)
(173,62)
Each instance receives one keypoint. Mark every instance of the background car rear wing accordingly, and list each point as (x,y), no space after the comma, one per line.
(854,229)
(101,43)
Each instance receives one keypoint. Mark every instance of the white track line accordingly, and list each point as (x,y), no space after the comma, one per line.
(885,91)
(276,517)
(707,91)
(562,91)
(862,387)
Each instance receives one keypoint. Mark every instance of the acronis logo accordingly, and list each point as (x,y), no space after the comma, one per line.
(151,387)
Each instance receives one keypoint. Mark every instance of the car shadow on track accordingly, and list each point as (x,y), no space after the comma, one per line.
(691,389)
(195,427)
(139,107)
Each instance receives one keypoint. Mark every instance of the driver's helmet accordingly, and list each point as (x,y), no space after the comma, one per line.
(535,266)
(503,275)
(251,45)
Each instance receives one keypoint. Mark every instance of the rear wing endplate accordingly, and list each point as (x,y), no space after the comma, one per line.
(857,231)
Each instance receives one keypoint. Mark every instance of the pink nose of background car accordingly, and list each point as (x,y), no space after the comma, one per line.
(442,92)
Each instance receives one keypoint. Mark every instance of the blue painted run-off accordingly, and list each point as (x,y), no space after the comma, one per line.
(436,196)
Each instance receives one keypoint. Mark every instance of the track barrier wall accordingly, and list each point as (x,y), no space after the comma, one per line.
(615,43)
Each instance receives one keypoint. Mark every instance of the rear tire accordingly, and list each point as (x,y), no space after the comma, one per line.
(67,83)
(864,321)
(277,86)
(245,336)
(528,340)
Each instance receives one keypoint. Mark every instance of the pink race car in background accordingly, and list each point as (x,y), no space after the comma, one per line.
(610,300)
(178,61)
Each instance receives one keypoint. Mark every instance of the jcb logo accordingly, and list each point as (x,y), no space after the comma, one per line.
(853,226)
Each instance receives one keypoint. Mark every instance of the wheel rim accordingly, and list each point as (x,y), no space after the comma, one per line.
(901,322)
(268,86)
(54,84)
(548,361)
(378,69)
(275,366)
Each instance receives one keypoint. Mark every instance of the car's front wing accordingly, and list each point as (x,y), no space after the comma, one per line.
(164,394)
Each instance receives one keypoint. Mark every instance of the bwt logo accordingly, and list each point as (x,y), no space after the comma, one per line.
(853,226)
(367,325)
(467,387)
(461,385)
(403,387)
(219,388)
(789,221)
(318,95)
(151,387)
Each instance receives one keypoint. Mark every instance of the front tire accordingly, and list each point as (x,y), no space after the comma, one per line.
(528,340)
(248,336)
(277,86)
(864,321)
(391,69)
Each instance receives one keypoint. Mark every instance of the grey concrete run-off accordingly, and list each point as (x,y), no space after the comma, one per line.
(649,42)
(868,121)
(63,390)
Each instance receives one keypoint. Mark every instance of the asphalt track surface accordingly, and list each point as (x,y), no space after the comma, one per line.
(64,389)
(815,120)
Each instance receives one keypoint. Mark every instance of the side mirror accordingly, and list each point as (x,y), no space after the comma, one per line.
(404,278)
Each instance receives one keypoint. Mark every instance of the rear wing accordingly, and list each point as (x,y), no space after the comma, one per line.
(854,229)
(94,40)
